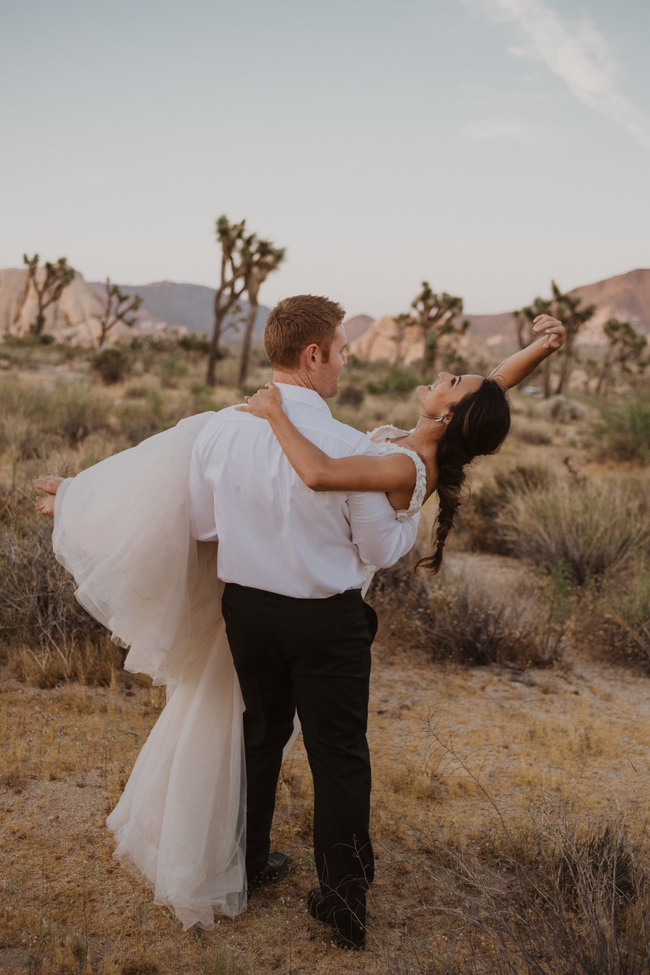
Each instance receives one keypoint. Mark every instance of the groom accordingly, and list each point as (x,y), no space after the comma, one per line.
(299,631)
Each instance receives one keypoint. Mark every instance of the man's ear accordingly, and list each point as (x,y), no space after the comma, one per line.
(311,354)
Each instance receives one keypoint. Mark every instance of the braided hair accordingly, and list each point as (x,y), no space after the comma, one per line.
(479,424)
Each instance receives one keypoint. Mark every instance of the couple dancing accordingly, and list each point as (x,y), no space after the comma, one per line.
(209,553)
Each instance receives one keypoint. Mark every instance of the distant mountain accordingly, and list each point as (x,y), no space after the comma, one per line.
(188,306)
(625,296)
(75,317)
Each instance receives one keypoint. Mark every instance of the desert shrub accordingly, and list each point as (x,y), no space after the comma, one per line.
(563,410)
(24,439)
(351,396)
(586,527)
(200,400)
(532,432)
(224,961)
(171,370)
(194,343)
(623,431)
(137,421)
(478,519)
(546,897)
(35,418)
(73,413)
(396,382)
(615,621)
(45,634)
(401,597)
(475,625)
(112,365)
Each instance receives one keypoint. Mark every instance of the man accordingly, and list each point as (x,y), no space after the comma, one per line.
(299,631)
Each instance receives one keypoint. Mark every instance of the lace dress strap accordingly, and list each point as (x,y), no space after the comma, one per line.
(380,434)
(420,489)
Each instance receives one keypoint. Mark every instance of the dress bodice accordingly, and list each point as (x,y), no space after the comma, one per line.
(381,436)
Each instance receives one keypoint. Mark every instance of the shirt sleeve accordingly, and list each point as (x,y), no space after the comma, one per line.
(204,525)
(380,538)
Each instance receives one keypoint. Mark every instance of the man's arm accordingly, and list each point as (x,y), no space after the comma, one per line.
(201,501)
(380,538)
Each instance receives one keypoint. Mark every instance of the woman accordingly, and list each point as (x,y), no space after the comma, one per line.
(461,417)
(180,822)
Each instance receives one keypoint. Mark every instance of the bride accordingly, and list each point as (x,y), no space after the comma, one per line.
(180,823)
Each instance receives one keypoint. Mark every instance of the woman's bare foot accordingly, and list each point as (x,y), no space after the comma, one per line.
(46,505)
(48,484)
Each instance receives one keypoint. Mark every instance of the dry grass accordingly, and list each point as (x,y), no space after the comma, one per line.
(492,785)
(446,777)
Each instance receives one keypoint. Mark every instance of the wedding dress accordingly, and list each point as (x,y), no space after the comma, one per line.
(122,529)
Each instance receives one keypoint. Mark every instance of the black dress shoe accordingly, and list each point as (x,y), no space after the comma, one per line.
(276,866)
(346,931)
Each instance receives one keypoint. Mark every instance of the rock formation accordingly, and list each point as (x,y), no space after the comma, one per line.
(74,318)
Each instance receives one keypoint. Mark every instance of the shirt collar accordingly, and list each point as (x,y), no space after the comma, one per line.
(300,394)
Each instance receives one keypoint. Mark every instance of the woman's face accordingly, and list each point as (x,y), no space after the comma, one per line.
(447,390)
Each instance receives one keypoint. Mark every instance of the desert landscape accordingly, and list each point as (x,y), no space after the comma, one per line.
(509,719)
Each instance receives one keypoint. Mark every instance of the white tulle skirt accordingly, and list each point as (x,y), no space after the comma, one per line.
(122,528)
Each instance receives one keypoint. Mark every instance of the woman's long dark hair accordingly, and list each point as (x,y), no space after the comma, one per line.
(479,424)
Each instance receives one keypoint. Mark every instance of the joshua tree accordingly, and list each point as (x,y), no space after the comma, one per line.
(245,262)
(267,258)
(50,287)
(525,317)
(567,309)
(402,321)
(436,315)
(624,345)
(118,307)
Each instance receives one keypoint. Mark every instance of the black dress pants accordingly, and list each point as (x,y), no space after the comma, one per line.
(313,655)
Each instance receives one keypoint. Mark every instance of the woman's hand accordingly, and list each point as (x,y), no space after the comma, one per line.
(555,331)
(263,402)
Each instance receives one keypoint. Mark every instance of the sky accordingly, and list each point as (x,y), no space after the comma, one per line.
(485,146)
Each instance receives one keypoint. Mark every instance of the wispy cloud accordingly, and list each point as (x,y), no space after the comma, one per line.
(577,54)
(487,130)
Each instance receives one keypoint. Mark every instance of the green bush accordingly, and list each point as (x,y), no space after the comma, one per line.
(194,343)
(112,365)
(397,382)
(171,370)
(623,431)
(351,396)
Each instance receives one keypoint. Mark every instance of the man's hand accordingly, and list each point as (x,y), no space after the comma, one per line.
(263,402)
(555,331)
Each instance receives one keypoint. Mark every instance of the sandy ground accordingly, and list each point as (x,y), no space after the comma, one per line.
(447,743)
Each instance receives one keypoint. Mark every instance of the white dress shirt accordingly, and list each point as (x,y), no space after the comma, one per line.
(274,532)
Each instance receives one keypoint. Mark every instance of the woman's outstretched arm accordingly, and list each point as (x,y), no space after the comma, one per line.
(319,471)
(516,367)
